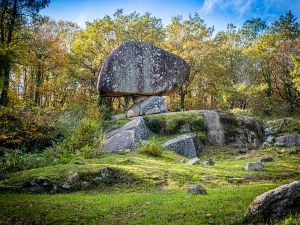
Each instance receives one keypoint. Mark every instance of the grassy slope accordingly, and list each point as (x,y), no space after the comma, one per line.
(161,198)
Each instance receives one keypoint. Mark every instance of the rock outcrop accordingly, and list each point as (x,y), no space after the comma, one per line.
(136,69)
(187,145)
(215,128)
(289,140)
(127,136)
(241,131)
(229,129)
(276,203)
(151,105)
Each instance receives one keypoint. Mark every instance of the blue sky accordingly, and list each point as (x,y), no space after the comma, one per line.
(215,12)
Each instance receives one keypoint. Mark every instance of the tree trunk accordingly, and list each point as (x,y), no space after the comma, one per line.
(7,67)
(182,100)
(38,80)
(4,93)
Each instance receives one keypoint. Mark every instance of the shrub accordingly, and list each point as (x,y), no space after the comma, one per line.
(154,123)
(151,149)
(31,130)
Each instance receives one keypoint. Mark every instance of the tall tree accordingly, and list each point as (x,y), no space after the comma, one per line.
(14,15)
(187,38)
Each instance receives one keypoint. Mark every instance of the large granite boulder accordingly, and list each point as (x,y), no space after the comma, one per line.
(241,131)
(276,203)
(289,140)
(228,129)
(136,68)
(151,105)
(127,136)
(187,145)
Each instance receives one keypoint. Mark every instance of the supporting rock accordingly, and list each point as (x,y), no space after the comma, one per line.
(151,105)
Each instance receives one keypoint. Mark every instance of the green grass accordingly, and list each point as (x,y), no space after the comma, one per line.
(161,198)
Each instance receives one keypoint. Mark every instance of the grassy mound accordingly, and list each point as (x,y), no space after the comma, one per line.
(174,123)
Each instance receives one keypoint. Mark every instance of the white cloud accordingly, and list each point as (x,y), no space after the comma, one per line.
(208,5)
(239,6)
(82,18)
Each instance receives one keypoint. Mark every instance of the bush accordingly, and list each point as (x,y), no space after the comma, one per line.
(31,130)
(151,149)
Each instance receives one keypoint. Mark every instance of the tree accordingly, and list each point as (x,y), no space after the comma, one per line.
(187,38)
(286,27)
(13,17)
(252,29)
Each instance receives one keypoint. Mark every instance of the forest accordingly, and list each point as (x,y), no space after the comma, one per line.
(52,116)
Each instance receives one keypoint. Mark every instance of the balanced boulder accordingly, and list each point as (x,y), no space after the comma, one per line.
(137,68)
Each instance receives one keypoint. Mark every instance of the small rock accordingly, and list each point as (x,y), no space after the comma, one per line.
(288,174)
(67,186)
(118,116)
(254,166)
(268,131)
(193,161)
(276,203)
(104,174)
(269,141)
(196,189)
(266,159)
(74,177)
(85,185)
(209,162)
(236,180)
(205,179)
(182,161)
